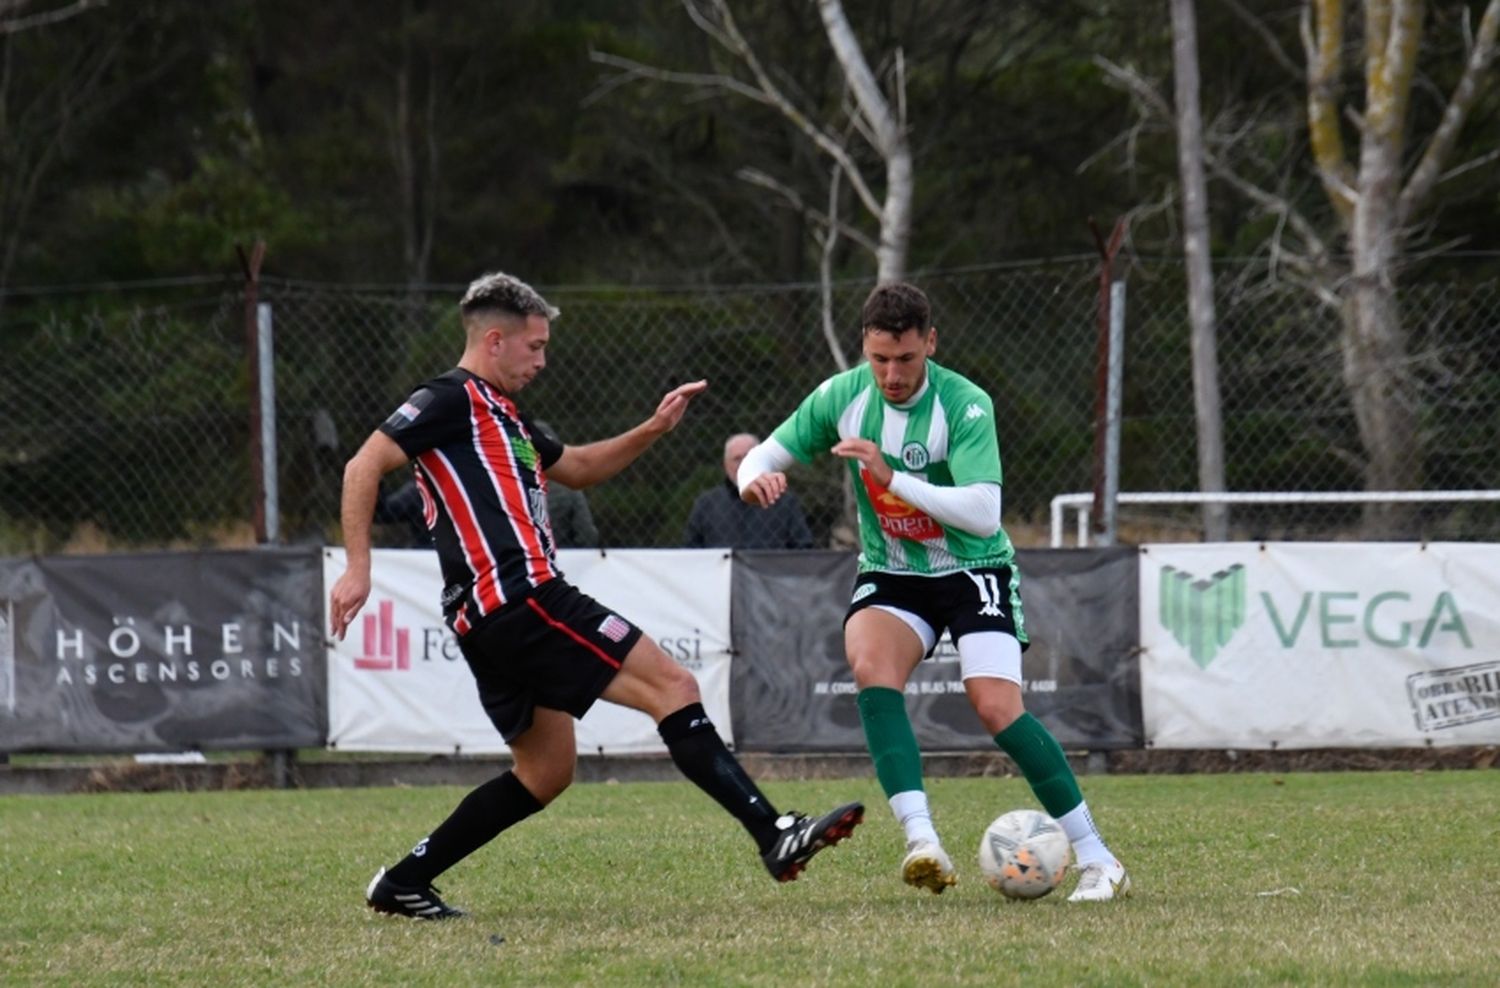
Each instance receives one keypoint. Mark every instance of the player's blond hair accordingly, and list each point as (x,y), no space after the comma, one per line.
(504,294)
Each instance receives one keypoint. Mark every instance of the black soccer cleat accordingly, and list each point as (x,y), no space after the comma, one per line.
(415,901)
(800,837)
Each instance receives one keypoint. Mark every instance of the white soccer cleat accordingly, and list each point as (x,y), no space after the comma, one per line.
(1100,882)
(927,866)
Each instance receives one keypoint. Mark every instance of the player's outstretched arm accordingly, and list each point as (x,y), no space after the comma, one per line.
(585,466)
(762,476)
(377,457)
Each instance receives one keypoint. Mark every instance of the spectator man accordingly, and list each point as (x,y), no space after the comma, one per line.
(721,518)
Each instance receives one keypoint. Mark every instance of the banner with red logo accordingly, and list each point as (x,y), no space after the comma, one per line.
(1304,645)
(398,682)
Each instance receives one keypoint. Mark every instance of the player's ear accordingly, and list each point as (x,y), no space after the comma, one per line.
(932,341)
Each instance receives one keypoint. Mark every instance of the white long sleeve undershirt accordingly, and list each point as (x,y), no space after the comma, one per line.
(973,508)
(769,457)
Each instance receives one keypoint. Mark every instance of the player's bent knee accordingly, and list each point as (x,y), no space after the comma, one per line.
(546,780)
(997,702)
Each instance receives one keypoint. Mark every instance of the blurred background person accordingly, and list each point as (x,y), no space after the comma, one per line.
(720,518)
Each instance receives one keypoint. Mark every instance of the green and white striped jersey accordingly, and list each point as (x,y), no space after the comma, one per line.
(945,436)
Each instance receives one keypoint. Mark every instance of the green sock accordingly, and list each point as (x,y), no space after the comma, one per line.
(892,743)
(1041,759)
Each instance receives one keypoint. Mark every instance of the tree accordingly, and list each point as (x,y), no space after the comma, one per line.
(1378,212)
(1207,407)
(870,115)
(52,89)
(1351,255)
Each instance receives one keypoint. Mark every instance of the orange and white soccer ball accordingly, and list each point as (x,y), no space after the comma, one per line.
(1024,854)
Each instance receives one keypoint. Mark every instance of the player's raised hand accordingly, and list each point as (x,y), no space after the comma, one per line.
(868,454)
(765,490)
(675,404)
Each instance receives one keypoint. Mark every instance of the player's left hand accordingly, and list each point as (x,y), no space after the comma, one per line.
(675,404)
(868,454)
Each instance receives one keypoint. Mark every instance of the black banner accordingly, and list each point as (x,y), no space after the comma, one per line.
(792,689)
(163,652)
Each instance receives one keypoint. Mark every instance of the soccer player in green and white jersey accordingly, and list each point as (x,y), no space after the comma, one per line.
(920,443)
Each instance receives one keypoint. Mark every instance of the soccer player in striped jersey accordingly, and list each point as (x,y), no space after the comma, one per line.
(541,652)
(921,448)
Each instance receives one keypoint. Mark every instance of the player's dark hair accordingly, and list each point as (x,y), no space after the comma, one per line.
(499,292)
(896,307)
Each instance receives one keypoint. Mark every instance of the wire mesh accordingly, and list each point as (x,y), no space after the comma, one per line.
(128,427)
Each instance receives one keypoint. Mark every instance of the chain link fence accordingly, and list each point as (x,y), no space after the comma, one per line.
(128,426)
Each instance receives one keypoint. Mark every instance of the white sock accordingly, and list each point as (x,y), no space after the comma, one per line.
(1088,846)
(914,816)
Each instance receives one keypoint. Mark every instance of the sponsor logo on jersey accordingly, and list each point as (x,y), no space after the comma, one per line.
(973,411)
(896,517)
(525,453)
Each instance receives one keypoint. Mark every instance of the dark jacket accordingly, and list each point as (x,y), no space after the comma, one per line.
(720,518)
(572,521)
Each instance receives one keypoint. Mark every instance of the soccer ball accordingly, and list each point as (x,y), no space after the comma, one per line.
(1024,854)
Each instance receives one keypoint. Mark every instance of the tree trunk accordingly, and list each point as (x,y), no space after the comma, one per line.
(1376,365)
(889,137)
(1207,406)
(1383,397)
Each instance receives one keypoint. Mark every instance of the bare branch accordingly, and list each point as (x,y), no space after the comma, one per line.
(634,70)
(825,271)
(1429,169)
(755,176)
(1325,61)
(1139,87)
(29,21)
(1469,166)
(1278,53)
(832,147)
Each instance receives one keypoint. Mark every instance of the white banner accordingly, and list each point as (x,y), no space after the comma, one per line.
(397,682)
(1306,645)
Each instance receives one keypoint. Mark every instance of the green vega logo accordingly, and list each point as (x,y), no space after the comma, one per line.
(1202,614)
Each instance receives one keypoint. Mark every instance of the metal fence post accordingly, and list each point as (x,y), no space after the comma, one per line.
(270,488)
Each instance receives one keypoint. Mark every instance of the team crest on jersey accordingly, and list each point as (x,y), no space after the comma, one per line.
(914,456)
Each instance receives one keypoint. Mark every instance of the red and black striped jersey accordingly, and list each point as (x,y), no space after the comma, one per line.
(480,466)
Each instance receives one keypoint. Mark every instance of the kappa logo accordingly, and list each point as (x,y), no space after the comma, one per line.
(973,411)
(1202,614)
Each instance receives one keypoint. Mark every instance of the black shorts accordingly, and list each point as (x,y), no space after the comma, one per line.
(969,600)
(558,648)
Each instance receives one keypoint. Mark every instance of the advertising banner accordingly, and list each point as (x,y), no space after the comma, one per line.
(1303,645)
(162,652)
(793,690)
(398,682)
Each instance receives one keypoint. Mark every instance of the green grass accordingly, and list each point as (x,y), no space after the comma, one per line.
(1396,879)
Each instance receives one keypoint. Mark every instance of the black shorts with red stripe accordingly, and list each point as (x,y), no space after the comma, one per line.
(558,648)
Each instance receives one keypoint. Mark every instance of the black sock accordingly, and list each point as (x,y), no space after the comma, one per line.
(499,803)
(700,754)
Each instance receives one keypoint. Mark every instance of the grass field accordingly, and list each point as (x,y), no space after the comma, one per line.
(1361,878)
